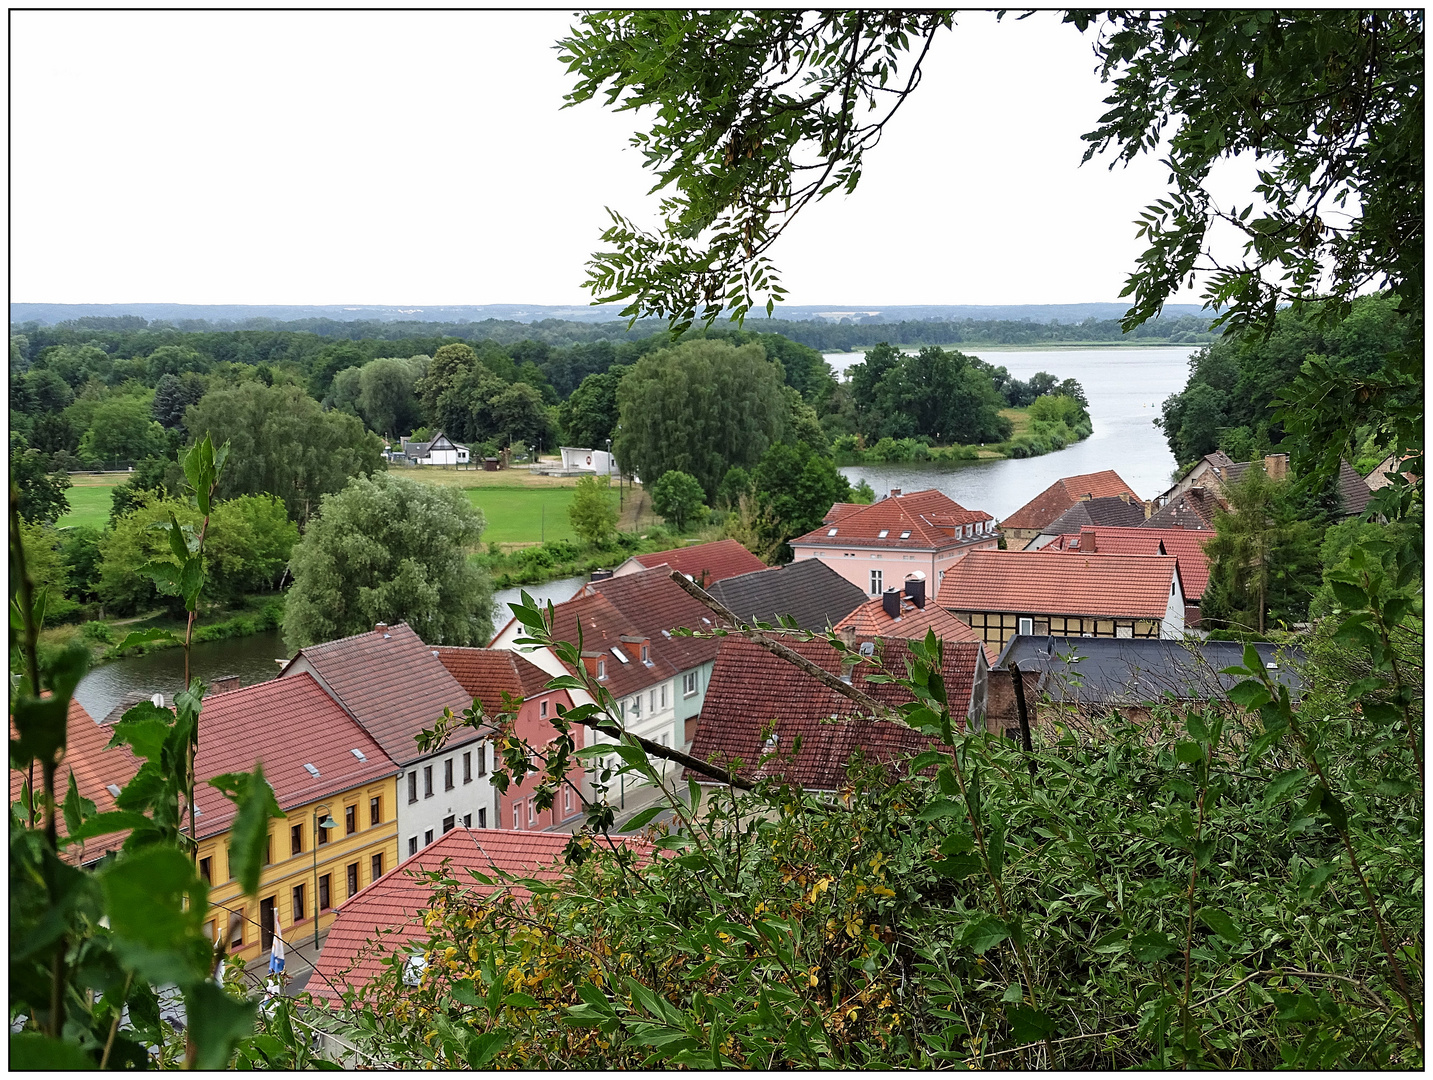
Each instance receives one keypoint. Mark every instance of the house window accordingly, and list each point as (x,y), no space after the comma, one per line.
(296,840)
(637,705)
(427,837)
(412,845)
(1027,626)
(269,850)
(544,710)
(602,669)
(645,660)
(448,775)
(413,787)
(427,781)
(467,821)
(237,938)
(449,823)
(883,534)
(298,903)
(229,861)
(567,800)
(483,817)
(322,836)
(689,684)
(206,870)
(352,878)
(350,820)
(325,901)
(468,767)
(517,815)
(664,695)
(375,866)
(531,811)
(375,810)
(875,583)
(483,760)
(652,701)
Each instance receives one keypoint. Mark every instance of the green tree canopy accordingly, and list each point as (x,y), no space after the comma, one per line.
(390,549)
(701,407)
(795,488)
(387,400)
(122,429)
(941,395)
(678,497)
(589,416)
(42,494)
(284,444)
(591,512)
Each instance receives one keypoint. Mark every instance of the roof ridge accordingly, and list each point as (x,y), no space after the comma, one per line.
(352,637)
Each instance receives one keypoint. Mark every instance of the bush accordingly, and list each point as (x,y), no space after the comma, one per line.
(98,632)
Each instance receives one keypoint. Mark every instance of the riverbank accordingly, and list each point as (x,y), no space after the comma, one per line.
(252,615)
(1028,438)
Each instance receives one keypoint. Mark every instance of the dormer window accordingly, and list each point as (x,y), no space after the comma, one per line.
(883,534)
(830,532)
(602,668)
(646,657)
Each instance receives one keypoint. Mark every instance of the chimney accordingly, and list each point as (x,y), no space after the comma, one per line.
(1087,496)
(380,628)
(224,685)
(600,574)
(1276,466)
(895,491)
(1124,497)
(848,636)
(915,588)
(891,602)
(1148,509)
(1087,539)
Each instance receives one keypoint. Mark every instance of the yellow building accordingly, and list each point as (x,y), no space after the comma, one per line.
(325,771)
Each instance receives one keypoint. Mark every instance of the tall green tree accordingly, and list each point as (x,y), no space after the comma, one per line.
(284,444)
(700,407)
(390,549)
(678,497)
(593,517)
(387,400)
(795,488)
(42,493)
(589,416)
(123,429)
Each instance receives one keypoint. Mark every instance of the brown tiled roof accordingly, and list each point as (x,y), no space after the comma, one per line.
(94,769)
(1353,490)
(1045,507)
(840,510)
(1187,545)
(486,674)
(1109,510)
(706,563)
(1027,582)
(752,693)
(283,724)
(870,621)
(927,516)
(387,915)
(1192,509)
(391,683)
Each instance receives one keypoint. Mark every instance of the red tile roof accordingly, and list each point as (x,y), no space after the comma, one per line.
(1063,494)
(752,693)
(870,620)
(1186,545)
(391,683)
(705,563)
(840,510)
(285,724)
(1028,582)
(1193,509)
(94,769)
(929,518)
(387,915)
(486,674)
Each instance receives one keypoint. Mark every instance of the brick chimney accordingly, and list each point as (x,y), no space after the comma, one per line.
(1276,466)
(1123,496)
(224,685)
(1087,539)
(1148,509)
(847,635)
(380,628)
(895,492)
(1087,496)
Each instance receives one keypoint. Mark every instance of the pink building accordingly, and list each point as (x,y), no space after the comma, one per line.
(876,546)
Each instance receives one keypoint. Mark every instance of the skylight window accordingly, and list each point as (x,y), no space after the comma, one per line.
(113,789)
(619,654)
(311,770)
(883,534)
(359,754)
(830,532)
(906,535)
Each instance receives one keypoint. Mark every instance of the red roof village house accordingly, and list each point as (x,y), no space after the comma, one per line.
(878,545)
(1031,519)
(1004,593)
(486,674)
(908,614)
(703,563)
(386,918)
(1186,545)
(758,704)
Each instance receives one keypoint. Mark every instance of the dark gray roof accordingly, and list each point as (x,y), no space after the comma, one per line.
(1192,509)
(1353,490)
(1123,671)
(808,590)
(1111,511)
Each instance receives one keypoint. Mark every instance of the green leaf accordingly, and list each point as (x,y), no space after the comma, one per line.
(465,993)
(939,809)
(926,759)
(250,832)
(1249,693)
(216,1023)
(643,818)
(1350,596)
(985,934)
(75,808)
(1150,946)
(31,1051)
(140,637)
(1221,924)
(177,544)
(1028,1025)
(1280,785)
(481,1046)
(42,725)
(1188,752)
(103,824)
(520,1001)
(996,847)
(1313,882)
(957,867)
(156,907)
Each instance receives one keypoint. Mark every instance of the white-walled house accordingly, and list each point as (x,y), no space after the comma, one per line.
(585,459)
(395,686)
(439,450)
(658,679)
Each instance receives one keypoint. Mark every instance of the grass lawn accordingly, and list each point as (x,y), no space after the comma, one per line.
(89,505)
(1020,418)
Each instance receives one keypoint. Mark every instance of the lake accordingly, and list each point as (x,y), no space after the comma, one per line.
(1126,388)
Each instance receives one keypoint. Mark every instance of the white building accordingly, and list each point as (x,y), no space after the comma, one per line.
(439,450)
(583,459)
(395,686)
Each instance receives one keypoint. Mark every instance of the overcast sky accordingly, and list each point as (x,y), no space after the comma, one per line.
(423,158)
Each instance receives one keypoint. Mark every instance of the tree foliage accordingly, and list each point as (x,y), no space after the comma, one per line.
(941,395)
(284,444)
(589,416)
(41,493)
(390,549)
(677,497)
(700,407)
(593,517)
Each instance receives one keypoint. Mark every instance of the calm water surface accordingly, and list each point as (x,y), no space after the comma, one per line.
(1125,387)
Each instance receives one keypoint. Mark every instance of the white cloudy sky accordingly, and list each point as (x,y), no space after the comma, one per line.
(423,158)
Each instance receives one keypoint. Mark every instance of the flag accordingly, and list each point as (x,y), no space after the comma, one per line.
(276,954)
